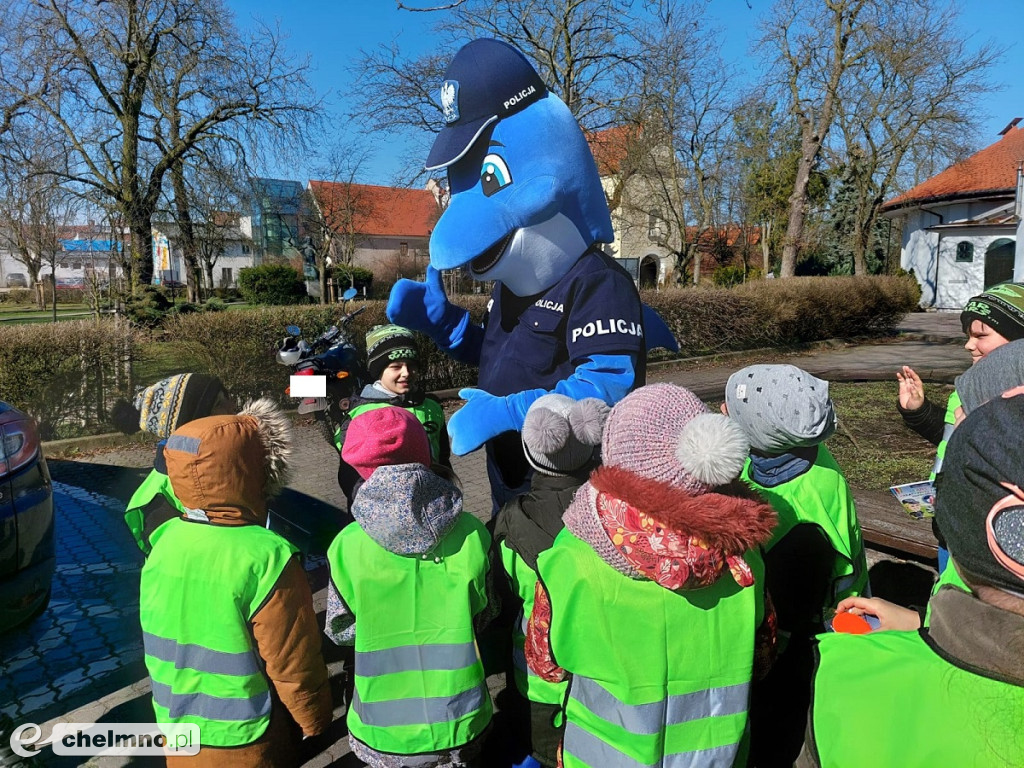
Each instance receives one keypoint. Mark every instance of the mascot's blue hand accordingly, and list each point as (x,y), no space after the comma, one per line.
(425,307)
(485,416)
(482,417)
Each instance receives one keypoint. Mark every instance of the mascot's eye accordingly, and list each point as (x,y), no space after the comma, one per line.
(494,175)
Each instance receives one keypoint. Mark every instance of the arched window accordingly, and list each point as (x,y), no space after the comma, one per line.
(965,251)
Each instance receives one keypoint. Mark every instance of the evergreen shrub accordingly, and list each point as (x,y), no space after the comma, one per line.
(274,283)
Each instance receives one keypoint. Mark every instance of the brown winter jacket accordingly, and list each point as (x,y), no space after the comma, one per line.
(219,486)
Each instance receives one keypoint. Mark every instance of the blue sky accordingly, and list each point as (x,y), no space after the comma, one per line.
(332,32)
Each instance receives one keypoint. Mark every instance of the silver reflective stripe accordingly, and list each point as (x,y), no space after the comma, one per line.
(211,707)
(585,746)
(440,709)
(186,656)
(183,444)
(420,658)
(947,432)
(846,582)
(654,717)
(588,748)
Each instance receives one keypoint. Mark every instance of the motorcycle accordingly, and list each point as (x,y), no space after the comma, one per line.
(333,355)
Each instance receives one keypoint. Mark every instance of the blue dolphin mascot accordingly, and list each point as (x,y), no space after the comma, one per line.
(527,210)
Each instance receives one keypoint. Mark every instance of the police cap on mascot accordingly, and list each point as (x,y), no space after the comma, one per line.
(527,211)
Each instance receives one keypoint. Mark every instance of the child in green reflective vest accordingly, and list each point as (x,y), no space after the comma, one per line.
(228,627)
(651,599)
(816,555)
(989,320)
(392,360)
(561,439)
(951,694)
(410,588)
(160,409)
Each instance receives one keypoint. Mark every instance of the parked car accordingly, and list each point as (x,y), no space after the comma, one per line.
(71,282)
(28,555)
(17,280)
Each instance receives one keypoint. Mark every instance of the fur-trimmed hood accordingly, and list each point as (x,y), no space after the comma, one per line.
(223,468)
(648,529)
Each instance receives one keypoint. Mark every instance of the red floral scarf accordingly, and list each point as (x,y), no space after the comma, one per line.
(670,558)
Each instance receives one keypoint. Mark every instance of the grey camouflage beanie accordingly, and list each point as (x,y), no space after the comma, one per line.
(780,407)
(999,370)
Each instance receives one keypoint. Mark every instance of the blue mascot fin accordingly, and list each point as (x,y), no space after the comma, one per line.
(656,333)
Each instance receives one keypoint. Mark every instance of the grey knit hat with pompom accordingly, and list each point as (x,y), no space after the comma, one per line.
(561,435)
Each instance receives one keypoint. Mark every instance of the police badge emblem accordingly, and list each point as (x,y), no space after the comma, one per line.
(450,100)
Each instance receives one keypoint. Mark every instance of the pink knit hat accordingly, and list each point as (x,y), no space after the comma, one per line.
(385,436)
(663,432)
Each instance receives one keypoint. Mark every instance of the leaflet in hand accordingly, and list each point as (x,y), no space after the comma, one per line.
(918,499)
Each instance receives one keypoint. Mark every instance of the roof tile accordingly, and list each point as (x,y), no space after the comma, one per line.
(378,211)
(990,170)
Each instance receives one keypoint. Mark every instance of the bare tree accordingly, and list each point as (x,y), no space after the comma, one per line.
(102,61)
(578,47)
(682,100)
(35,210)
(815,43)
(915,92)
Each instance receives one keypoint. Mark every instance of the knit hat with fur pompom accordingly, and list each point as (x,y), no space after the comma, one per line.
(561,435)
(663,432)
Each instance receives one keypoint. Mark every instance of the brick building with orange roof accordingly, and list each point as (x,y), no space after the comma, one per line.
(387,229)
(960,227)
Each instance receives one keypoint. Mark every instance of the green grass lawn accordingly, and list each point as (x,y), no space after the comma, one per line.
(19,314)
(872,446)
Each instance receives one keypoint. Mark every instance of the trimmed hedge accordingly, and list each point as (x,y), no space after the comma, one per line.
(67,374)
(780,313)
(240,347)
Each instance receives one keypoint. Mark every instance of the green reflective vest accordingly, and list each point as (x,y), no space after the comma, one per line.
(887,699)
(950,576)
(950,423)
(155,484)
(429,413)
(419,681)
(524,581)
(659,678)
(200,588)
(821,496)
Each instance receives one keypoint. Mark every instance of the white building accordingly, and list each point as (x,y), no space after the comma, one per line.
(960,226)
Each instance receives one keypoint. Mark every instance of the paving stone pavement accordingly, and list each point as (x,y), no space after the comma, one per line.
(81,660)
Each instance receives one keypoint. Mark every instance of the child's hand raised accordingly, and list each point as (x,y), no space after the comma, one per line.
(911,389)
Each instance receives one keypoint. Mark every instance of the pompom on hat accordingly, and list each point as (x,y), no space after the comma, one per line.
(561,435)
(385,436)
(665,433)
